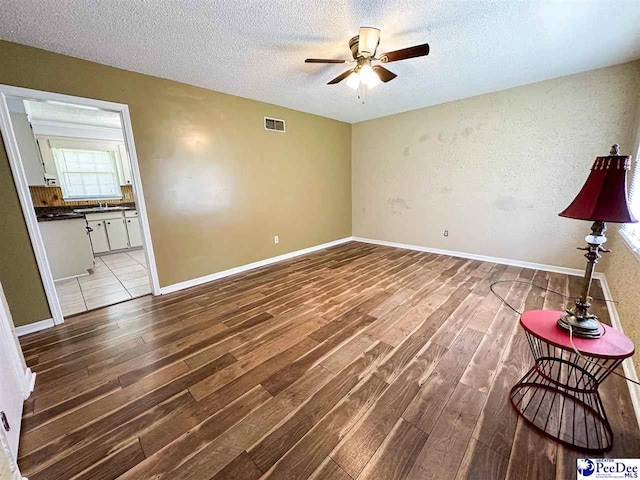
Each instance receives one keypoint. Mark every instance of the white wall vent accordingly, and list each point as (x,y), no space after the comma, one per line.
(274,124)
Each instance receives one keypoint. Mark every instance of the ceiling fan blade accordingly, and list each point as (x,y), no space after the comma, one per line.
(340,77)
(323,60)
(368,40)
(384,74)
(403,54)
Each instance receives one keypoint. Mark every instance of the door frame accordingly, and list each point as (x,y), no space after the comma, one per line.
(22,186)
(23,374)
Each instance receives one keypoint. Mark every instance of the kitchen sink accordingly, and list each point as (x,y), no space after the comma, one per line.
(99,209)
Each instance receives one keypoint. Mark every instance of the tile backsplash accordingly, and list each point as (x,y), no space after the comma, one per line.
(52,197)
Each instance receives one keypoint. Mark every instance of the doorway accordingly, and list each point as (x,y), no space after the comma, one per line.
(75,168)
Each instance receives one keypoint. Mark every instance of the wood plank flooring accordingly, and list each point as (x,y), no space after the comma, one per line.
(356,362)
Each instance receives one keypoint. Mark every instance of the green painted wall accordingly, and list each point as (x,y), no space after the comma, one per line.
(18,270)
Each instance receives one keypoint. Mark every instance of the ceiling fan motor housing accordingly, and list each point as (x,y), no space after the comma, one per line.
(353,45)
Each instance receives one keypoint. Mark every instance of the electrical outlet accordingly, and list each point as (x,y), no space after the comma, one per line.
(276,239)
(446,233)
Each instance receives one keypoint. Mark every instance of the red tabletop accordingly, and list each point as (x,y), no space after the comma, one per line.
(543,324)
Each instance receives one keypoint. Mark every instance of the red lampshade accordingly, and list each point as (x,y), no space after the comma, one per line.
(603,197)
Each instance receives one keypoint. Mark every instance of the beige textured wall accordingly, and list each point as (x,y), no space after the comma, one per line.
(493,170)
(218,186)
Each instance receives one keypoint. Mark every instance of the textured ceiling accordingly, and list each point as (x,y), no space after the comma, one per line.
(256,49)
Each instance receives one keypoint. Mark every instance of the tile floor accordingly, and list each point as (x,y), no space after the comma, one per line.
(116,277)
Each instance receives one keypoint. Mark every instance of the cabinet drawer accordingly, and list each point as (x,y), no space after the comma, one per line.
(115,215)
(130,213)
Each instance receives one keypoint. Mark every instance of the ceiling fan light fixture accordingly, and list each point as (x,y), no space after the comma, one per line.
(353,80)
(368,76)
(368,41)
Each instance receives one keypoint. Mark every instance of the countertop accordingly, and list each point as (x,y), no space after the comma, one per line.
(48,217)
(48,214)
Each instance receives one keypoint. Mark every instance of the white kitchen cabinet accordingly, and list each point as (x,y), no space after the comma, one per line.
(49,163)
(133,229)
(115,230)
(67,245)
(117,233)
(98,235)
(124,165)
(29,152)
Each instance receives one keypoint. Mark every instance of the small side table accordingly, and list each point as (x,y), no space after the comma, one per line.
(559,395)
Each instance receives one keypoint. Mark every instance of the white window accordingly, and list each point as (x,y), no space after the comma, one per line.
(87,173)
(631,231)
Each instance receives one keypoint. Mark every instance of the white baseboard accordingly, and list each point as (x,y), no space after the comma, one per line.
(484,258)
(243,268)
(29,382)
(70,277)
(250,266)
(34,327)
(627,366)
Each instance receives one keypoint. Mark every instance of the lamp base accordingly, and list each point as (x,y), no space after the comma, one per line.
(586,326)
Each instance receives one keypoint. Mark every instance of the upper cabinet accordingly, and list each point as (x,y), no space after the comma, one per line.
(29,152)
(124,166)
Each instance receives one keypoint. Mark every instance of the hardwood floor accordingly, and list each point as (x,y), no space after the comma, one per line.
(356,362)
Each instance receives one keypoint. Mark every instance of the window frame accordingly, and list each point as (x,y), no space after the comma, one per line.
(63,183)
(630,232)
(47,143)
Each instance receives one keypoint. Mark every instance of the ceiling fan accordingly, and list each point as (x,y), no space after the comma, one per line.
(363,49)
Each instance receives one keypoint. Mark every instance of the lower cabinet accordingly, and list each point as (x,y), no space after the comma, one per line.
(117,234)
(133,229)
(67,246)
(98,235)
(114,230)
